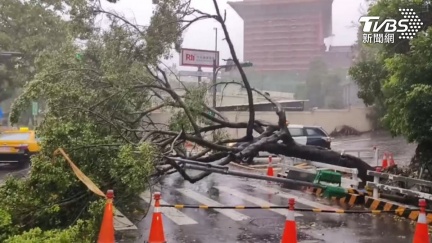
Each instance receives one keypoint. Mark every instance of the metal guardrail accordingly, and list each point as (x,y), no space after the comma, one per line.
(360,153)
(404,179)
(354,181)
(377,186)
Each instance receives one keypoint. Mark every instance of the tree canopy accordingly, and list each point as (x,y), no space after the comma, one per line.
(28,27)
(99,93)
(395,78)
(323,86)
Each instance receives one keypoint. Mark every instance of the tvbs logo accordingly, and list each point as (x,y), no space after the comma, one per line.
(384,31)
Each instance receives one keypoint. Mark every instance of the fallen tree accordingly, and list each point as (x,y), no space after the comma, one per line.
(192,119)
(247,147)
(98,108)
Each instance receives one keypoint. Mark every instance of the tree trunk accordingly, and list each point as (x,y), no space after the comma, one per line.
(318,154)
(423,157)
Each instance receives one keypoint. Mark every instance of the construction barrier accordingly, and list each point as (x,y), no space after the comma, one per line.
(289,234)
(351,198)
(157,234)
(421,234)
(270,171)
(106,233)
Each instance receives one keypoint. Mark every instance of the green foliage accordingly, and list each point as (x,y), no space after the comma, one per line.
(396,79)
(195,100)
(94,109)
(165,30)
(323,87)
(409,91)
(95,96)
(28,27)
(390,9)
(368,75)
(75,233)
(370,71)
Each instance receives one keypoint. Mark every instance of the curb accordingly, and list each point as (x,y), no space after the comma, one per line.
(352,198)
(383,204)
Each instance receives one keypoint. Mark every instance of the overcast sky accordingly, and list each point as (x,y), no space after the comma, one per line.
(202,35)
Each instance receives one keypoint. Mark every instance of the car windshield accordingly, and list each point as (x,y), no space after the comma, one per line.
(315,132)
(14,136)
(295,132)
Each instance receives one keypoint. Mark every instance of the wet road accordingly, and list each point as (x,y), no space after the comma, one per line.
(253,226)
(7,170)
(402,151)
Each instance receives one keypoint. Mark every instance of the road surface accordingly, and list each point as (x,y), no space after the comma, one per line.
(244,226)
(260,225)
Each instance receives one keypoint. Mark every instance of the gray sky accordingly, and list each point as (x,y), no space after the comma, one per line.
(201,35)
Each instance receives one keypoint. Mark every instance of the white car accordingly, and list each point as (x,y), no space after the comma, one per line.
(307,135)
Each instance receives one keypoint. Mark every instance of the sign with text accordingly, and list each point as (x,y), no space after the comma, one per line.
(379,30)
(198,58)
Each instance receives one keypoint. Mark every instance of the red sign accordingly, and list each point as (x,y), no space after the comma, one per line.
(198,58)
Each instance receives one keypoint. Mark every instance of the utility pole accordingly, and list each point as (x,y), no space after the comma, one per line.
(214,71)
(199,77)
(214,84)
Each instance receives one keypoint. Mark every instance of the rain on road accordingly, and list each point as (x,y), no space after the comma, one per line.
(252,226)
(244,226)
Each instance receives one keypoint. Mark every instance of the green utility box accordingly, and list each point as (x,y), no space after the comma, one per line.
(328,177)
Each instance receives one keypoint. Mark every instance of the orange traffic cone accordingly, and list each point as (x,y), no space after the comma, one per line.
(391,160)
(106,233)
(384,161)
(270,167)
(290,232)
(157,231)
(421,234)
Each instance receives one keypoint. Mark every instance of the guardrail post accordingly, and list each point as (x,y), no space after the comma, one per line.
(376,182)
(376,155)
(355,177)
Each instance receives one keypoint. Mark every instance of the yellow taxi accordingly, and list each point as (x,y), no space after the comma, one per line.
(16,146)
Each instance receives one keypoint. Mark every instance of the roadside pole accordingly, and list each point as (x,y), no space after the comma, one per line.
(199,77)
(214,84)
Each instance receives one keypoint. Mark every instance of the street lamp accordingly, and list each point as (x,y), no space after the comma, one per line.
(216,71)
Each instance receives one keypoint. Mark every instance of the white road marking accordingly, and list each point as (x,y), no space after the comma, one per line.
(297,198)
(231,213)
(173,214)
(254,200)
(121,222)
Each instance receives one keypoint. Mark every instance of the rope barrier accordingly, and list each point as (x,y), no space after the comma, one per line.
(315,210)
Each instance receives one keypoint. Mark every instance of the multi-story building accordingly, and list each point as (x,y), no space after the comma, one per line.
(284,35)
